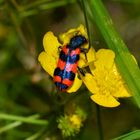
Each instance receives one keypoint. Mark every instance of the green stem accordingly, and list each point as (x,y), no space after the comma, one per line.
(15,124)
(124,60)
(34,8)
(128,1)
(23,119)
(15,22)
(100,130)
(134,135)
(34,4)
(36,135)
(10,126)
(86,20)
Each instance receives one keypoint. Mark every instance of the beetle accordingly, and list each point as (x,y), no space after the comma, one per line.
(67,65)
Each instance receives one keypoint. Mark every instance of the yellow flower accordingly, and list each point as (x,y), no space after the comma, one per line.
(70,125)
(76,121)
(104,81)
(49,57)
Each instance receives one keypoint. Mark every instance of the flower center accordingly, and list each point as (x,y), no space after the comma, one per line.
(107,82)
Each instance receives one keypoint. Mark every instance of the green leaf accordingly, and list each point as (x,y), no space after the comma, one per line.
(23,119)
(129,136)
(36,135)
(15,124)
(37,6)
(127,1)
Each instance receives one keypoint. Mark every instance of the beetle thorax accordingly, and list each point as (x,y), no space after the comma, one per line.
(77,41)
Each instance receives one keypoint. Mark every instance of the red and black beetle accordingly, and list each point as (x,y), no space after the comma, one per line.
(66,69)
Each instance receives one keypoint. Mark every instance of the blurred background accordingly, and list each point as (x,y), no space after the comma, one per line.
(26,89)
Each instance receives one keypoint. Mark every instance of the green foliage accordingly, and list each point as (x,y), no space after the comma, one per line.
(25,89)
(128,1)
(129,136)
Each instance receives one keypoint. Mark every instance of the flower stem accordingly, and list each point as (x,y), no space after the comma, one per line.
(38,6)
(10,126)
(98,114)
(15,124)
(86,20)
(36,135)
(23,119)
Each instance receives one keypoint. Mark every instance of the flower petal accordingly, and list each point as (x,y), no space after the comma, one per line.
(76,85)
(65,37)
(105,100)
(122,92)
(76,121)
(90,58)
(82,30)
(51,44)
(105,58)
(48,62)
(90,83)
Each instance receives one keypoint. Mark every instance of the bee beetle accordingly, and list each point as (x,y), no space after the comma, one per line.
(67,65)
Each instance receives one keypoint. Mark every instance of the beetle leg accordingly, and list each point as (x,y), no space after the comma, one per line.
(85,51)
(86,56)
(81,71)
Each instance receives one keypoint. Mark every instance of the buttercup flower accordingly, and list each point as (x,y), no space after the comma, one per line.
(102,77)
(106,83)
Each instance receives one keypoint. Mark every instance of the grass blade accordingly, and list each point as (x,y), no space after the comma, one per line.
(23,119)
(129,136)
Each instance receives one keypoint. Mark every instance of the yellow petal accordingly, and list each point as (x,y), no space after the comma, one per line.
(76,121)
(90,83)
(76,85)
(105,100)
(48,62)
(105,58)
(65,37)
(82,30)
(122,92)
(51,44)
(90,58)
